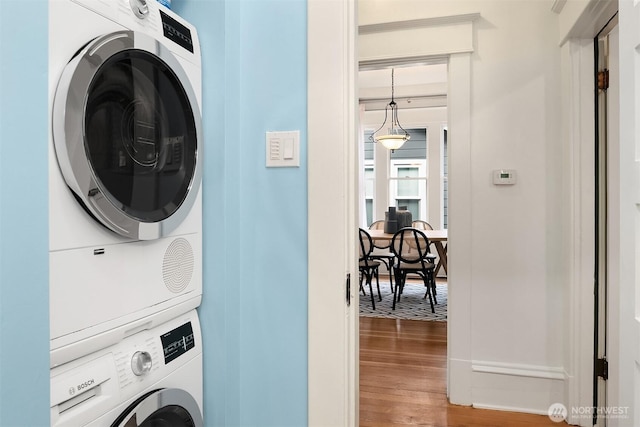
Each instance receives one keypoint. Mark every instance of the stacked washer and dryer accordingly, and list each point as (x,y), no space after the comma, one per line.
(125,215)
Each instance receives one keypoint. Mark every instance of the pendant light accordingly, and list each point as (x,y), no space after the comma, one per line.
(396,136)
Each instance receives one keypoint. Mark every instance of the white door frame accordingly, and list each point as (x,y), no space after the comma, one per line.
(614,231)
(332,217)
(332,183)
(624,374)
(459,277)
(579,92)
(456,51)
(578,87)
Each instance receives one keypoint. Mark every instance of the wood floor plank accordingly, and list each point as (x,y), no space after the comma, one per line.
(403,373)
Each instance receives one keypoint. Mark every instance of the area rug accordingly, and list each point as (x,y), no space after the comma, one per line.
(411,306)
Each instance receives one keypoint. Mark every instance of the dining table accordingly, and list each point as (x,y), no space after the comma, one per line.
(437,237)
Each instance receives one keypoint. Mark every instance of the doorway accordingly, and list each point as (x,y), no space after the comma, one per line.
(332,391)
(410,338)
(458,89)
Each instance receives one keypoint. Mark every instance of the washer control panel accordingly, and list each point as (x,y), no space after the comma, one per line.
(91,385)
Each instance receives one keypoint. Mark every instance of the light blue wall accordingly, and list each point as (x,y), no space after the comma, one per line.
(254,310)
(24,255)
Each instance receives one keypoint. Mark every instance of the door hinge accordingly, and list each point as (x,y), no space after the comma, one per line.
(602,368)
(603,79)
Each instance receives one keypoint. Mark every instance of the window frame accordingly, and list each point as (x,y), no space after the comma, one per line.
(423,190)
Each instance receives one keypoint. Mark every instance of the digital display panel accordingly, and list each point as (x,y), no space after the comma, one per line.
(176,32)
(177,342)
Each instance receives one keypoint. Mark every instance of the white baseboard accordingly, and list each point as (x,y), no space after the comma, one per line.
(515,387)
(508,409)
(532,371)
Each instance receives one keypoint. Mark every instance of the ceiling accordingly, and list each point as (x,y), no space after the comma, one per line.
(415,86)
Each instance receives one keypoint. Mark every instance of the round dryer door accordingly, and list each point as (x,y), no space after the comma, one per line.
(127,134)
(166,407)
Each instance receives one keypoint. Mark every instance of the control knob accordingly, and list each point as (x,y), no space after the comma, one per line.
(139,8)
(141,363)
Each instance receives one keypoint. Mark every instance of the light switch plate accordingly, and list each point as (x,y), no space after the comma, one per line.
(283,149)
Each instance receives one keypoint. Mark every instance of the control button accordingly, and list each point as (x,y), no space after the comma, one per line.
(139,8)
(141,363)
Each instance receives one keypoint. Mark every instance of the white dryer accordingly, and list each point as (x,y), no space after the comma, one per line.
(125,150)
(153,378)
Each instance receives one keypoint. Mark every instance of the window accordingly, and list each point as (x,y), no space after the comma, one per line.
(369,177)
(369,183)
(401,178)
(408,186)
(408,175)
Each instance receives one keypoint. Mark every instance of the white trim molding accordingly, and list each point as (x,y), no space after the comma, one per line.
(578,152)
(580,19)
(460,255)
(406,61)
(519,370)
(419,38)
(418,23)
(516,387)
(558,5)
(332,199)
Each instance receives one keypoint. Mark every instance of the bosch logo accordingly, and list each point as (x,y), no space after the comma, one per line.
(72,391)
(86,384)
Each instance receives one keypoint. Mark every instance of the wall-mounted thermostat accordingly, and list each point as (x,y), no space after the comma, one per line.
(504,177)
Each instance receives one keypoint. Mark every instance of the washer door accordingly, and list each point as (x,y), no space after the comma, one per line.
(166,407)
(126,129)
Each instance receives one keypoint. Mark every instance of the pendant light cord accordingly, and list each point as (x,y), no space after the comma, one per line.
(392,85)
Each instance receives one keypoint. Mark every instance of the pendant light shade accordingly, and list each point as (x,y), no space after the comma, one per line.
(391,135)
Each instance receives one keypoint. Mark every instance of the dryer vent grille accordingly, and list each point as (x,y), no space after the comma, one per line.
(177,267)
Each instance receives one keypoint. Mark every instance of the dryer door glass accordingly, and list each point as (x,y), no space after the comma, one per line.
(140,135)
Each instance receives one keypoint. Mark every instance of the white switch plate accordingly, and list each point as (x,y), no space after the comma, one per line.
(283,149)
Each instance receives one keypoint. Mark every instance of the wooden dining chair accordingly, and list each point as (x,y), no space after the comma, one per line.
(424,225)
(367,266)
(411,248)
(421,225)
(382,252)
(377,225)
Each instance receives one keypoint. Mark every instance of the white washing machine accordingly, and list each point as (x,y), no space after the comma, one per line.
(153,378)
(125,165)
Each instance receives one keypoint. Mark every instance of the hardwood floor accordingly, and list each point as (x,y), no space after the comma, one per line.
(403,367)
